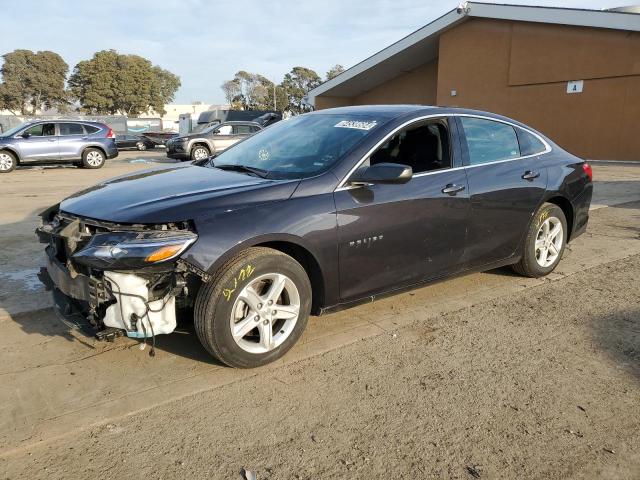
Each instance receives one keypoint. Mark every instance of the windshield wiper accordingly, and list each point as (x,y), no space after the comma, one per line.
(242,168)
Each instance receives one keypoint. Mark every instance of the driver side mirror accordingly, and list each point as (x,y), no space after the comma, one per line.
(25,135)
(382,173)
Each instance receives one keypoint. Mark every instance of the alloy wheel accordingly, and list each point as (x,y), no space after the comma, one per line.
(265,313)
(6,162)
(141,146)
(200,153)
(549,242)
(94,159)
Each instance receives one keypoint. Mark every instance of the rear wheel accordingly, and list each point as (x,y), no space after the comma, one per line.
(200,152)
(255,309)
(141,146)
(93,158)
(8,162)
(544,243)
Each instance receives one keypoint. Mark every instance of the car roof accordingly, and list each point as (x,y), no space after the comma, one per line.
(240,122)
(64,120)
(396,111)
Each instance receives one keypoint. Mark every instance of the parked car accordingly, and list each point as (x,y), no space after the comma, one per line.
(87,144)
(134,141)
(210,141)
(321,212)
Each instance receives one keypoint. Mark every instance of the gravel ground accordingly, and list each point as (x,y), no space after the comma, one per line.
(543,383)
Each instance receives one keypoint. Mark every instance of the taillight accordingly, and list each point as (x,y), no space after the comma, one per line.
(588,170)
(110,134)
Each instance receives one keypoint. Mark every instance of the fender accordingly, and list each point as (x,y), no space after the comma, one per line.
(306,224)
(10,149)
(204,140)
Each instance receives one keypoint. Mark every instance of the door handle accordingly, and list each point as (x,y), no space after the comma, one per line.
(452,189)
(529,175)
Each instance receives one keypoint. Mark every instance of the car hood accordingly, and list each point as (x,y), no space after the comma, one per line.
(178,193)
(188,137)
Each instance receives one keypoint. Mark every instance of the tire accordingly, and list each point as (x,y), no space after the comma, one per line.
(541,249)
(8,161)
(200,152)
(220,303)
(141,146)
(93,158)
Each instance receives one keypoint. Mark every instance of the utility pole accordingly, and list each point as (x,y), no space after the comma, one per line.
(274,96)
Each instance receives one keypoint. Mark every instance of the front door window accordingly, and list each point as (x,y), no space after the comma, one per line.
(41,130)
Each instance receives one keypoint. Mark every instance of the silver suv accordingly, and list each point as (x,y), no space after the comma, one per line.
(210,141)
(88,144)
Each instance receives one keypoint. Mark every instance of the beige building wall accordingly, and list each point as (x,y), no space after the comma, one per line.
(418,86)
(323,102)
(521,70)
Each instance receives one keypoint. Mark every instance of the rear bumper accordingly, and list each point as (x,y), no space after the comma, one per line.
(112,152)
(581,206)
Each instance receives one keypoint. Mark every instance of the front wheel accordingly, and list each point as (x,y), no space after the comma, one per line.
(255,309)
(199,152)
(544,243)
(8,162)
(93,158)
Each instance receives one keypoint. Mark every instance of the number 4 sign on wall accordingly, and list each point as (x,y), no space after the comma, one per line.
(575,86)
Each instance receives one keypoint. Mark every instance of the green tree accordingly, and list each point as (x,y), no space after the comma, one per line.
(334,71)
(112,83)
(231,89)
(296,84)
(249,91)
(33,81)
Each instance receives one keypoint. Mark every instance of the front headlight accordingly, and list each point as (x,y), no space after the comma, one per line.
(127,250)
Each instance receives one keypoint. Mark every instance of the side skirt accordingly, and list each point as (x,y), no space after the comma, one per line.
(394,291)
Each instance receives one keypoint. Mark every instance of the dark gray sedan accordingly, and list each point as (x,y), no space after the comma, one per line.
(318,213)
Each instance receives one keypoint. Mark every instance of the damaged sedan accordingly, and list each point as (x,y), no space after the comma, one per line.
(321,212)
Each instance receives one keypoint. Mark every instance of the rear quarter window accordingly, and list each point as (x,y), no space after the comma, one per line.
(529,143)
(242,129)
(91,129)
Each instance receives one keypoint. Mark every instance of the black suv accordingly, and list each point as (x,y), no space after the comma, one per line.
(313,214)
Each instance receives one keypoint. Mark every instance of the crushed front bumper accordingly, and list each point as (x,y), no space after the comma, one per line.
(136,303)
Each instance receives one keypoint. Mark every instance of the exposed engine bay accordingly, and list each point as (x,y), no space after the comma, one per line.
(113,279)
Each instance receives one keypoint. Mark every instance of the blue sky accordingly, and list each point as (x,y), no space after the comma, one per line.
(206,42)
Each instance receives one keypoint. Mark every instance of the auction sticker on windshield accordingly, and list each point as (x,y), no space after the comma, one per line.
(356,124)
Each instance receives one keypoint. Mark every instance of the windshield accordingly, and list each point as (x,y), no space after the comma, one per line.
(14,130)
(301,147)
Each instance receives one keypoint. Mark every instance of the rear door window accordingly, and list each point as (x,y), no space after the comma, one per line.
(529,143)
(242,129)
(489,141)
(71,129)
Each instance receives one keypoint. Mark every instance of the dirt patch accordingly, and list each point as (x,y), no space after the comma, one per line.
(542,383)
